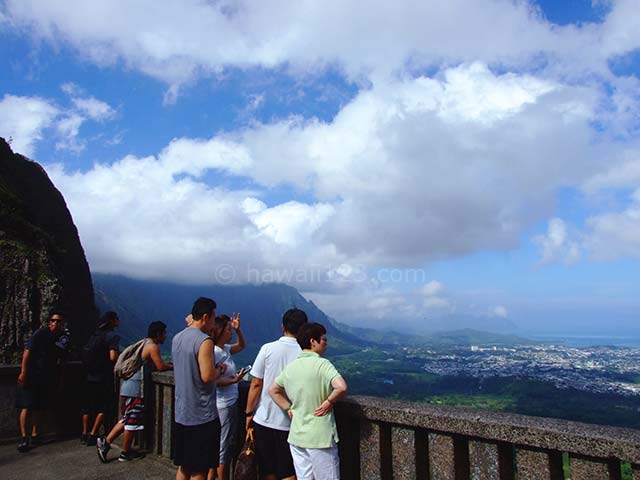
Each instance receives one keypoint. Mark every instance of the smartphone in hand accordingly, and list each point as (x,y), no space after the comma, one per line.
(244,370)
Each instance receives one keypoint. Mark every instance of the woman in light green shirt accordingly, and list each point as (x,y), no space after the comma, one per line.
(307,389)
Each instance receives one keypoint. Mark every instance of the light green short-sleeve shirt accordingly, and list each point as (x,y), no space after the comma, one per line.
(307,383)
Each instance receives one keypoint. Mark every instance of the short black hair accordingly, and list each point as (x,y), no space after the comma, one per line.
(107,320)
(55,311)
(222,320)
(202,306)
(307,332)
(293,319)
(155,329)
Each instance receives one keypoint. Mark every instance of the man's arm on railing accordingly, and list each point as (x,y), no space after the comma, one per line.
(156,358)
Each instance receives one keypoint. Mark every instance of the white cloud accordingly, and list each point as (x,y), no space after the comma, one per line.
(406,172)
(462,175)
(432,289)
(556,245)
(68,128)
(613,235)
(94,109)
(178,227)
(433,295)
(291,223)
(623,173)
(23,119)
(435,302)
(86,105)
(189,38)
(500,311)
(371,305)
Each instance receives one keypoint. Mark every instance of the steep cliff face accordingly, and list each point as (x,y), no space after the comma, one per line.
(42,263)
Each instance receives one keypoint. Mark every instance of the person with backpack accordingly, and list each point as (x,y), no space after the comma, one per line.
(134,365)
(98,357)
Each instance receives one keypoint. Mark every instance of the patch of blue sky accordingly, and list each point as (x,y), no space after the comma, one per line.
(281,94)
(143,124)
(572,206)
(564,12)
(516,277)
(626,65)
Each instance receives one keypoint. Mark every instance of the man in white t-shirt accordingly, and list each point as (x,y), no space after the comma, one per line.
(271,424)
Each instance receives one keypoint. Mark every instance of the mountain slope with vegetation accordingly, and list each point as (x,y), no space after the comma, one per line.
(42,263)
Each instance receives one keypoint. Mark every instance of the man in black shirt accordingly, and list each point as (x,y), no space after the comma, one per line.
(40,361)
(99,356)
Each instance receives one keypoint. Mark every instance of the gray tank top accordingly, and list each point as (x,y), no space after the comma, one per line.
(195,401)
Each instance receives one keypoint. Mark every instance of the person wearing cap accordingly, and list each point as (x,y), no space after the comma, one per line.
(41,360)
(99,356)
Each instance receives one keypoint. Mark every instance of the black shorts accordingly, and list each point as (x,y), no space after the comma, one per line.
(197,447)
(32,396)
(272,450)
(97,398)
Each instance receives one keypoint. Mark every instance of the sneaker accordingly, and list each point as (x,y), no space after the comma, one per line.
(35,440)
(130,456)
(23,446)
(103,448)
(91,440)
(83,439)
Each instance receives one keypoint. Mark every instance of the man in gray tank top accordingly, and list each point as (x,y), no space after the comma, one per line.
(197,433)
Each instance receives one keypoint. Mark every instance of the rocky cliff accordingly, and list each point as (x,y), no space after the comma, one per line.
(42,263)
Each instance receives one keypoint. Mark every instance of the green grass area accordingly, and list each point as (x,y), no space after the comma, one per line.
(483,402)
(625,469)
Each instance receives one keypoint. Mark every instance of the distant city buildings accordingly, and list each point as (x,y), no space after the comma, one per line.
(597,369)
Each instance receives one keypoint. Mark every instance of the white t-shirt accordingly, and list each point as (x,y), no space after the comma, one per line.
(271,360)
(227,395)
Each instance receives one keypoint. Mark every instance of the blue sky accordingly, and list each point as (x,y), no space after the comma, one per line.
(415,165)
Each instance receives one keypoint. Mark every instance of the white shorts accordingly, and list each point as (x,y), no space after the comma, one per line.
(316,463)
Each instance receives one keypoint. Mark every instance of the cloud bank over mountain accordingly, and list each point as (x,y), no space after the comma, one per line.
(468,123)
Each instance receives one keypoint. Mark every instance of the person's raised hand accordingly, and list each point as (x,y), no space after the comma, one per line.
(235,321)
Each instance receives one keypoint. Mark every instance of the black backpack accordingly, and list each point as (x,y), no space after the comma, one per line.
(95,353)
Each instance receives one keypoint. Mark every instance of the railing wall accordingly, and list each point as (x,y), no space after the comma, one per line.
(63,417)
(386,439)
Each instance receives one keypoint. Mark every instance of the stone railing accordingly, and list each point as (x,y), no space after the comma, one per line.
(385,439)
(63,417)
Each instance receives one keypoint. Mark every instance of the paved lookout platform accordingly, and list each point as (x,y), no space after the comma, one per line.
(69,460)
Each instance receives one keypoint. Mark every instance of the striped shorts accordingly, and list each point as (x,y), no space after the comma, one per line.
(132,413)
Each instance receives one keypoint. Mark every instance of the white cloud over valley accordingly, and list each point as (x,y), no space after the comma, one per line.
(421,169)
(463,126)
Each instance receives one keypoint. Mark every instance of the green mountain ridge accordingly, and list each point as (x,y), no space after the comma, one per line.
(139,302)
